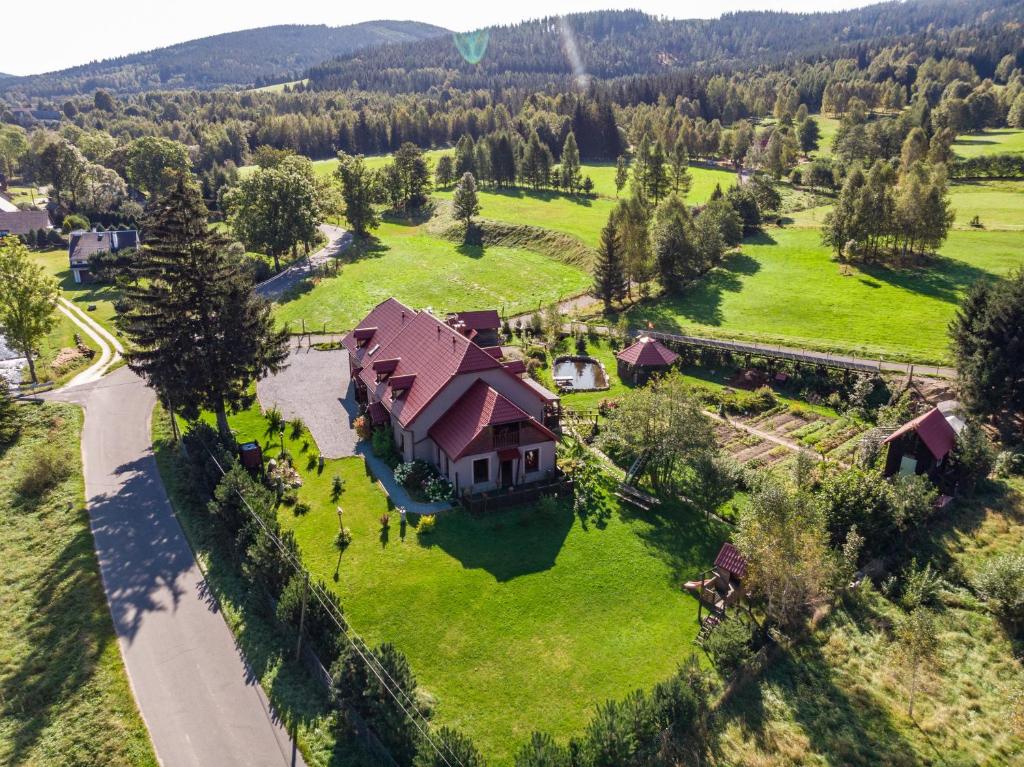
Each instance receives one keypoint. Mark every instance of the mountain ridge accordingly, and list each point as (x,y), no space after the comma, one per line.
(249,57)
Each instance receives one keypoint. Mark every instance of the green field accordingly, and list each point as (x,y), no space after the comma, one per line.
(998,204)
(991,141)
(786,288)
(65,700)
(422,270)
(512,622)
(84,295)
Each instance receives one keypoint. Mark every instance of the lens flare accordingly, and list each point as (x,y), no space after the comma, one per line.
(572,53)
(472,45)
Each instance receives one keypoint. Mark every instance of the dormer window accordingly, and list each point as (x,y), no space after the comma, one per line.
(399,385)
(384,368)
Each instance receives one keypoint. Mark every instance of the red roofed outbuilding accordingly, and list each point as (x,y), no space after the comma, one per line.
(647,357)
(449,401)
(922,445)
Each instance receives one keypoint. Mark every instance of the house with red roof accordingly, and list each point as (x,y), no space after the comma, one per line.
(921,446)
(481,327)
(647,357)
(450,401)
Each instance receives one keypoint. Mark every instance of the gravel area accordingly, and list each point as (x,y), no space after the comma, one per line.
(316,388)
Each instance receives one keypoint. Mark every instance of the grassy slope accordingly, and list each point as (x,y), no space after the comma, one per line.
(785,288)
(61,337)
(992,141)
(82,294)
(512,622)
(64,696)
(423,270)
(840,698)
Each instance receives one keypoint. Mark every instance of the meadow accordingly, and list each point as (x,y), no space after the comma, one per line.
(783,287)
(84,295)
(64,694)
(990,141)
(422,270)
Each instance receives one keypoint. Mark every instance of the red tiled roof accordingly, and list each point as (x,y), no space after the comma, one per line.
(487,319)
(385,319)
(434,353)
(515,366)
(933,429)
(729,558)
(494,351)
(647,352)
(459,431)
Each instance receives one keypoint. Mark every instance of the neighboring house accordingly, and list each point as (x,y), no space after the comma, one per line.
(482,328)
(29,118)
(450,402)
(6,206)
(647,357)
(21,222)
(85,244)
(923,445)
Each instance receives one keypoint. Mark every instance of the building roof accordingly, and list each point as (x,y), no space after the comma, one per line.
(384,320)
(647,352)
(7,206)
(84,244)
(458,432)
(729,558)
(433,352)
(934,430)
(486,319)
(24,221)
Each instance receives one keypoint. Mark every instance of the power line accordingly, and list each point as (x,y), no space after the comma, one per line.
(357,643)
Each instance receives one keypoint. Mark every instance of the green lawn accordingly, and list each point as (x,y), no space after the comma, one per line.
(828,127)
(991,141)
(786,288)
(998,204)
(64,695)
(512,622)
(422,270)
(61,337)
(83,295)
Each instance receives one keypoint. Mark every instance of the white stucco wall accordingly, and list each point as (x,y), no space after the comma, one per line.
(461,471)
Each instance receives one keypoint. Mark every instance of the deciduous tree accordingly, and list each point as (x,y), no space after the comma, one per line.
(28,298)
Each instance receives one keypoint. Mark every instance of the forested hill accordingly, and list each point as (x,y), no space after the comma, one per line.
(621,43)
(250,57)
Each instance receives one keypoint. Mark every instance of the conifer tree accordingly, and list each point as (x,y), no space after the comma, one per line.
(675,252)
(200,335)
(680,163)
(609,269)
(570,167)
(621,174)
(465,204)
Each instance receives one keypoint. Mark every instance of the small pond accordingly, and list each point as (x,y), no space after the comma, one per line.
(579,374)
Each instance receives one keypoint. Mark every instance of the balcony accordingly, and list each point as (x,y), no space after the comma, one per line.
(505,436)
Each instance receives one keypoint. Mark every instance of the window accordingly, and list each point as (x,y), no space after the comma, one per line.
(532,460)
(481,470)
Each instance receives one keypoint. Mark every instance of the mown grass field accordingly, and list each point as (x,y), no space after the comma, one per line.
(422,270)
(784,287)
(513,622)
(841,698)
(83,295)
(990,141)
(64,694)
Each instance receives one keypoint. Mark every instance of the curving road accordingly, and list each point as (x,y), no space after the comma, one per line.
(197,695)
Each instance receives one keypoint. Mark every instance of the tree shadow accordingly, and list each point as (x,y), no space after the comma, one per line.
(843,724)
(507,543)
(938,276)
(541,195)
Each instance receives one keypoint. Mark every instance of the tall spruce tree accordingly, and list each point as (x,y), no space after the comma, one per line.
(609,268)
(200,335)
(465,203)
(570,167)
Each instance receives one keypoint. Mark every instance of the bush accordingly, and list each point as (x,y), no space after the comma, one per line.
(320,628)
(730,646)
(413,475)
(267,564)
(973,455)
(363,427)
(455,747)
(921,587)
(1000,584)
(48,465)
(384,446)
(74,221)
(301,509)
(438,489)
(200,441)
(427,524)
(538,353)
(1009,463)
(343,538)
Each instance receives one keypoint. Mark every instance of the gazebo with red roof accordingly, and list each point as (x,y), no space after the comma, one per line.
(647,357)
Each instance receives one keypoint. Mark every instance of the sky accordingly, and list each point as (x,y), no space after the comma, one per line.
(87,30)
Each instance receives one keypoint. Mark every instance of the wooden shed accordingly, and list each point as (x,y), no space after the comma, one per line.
(921,446)
(647,357)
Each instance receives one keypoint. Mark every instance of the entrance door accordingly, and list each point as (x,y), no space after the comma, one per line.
(506,473)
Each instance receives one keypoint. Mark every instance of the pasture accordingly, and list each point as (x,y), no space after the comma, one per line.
(990,141)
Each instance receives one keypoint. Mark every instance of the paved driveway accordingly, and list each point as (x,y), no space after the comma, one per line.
(196,693)
(337,240)
(315,387)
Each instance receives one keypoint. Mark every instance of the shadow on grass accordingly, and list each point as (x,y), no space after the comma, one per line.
(844,724)
(937,276)
(543,195)
(507,543)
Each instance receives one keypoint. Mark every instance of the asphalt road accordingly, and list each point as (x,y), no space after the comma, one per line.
(337,240)
(197,695)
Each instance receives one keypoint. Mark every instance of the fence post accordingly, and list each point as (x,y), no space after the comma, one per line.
(302,617)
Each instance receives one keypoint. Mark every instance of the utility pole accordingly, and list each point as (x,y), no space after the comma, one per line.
(302,617)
